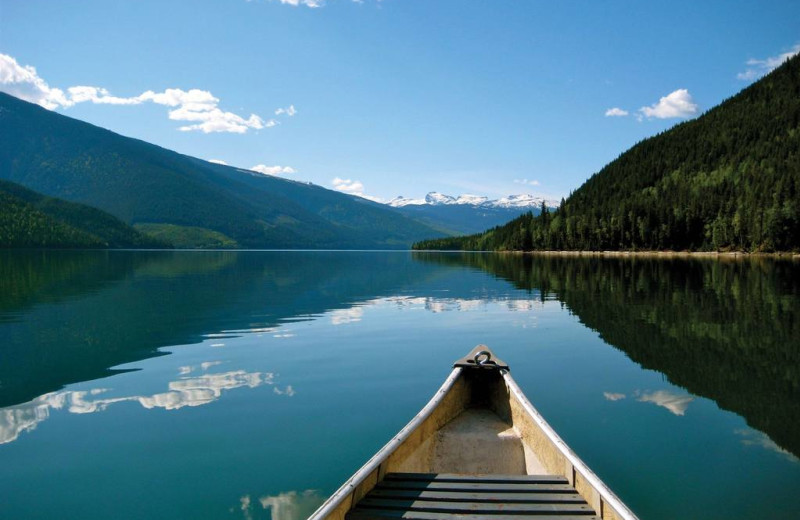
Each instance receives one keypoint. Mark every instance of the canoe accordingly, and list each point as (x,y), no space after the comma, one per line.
(478,449)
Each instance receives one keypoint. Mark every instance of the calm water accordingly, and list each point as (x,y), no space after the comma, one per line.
(251,384)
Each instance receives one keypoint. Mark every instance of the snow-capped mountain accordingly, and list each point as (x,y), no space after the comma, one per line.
(435,198)
(474,200)
(399,202)
(467,214)
(524,200)
(521,201)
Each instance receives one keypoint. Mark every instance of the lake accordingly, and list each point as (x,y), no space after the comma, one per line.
(251,384)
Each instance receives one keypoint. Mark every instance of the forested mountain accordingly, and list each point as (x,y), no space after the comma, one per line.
(179,196)
(728,180)
(31,220)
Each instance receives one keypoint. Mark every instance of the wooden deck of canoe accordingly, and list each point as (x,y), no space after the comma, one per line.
(443,496)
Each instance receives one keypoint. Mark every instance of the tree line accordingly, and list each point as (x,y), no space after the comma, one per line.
(727,181)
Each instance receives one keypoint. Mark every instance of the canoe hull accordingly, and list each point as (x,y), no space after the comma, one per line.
(407,452)
(418,447)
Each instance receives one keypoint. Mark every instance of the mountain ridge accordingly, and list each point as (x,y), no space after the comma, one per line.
(433,198)
(468,214)
(142,183)
(728,180)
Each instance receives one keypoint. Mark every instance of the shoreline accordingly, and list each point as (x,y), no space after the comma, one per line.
(720,255)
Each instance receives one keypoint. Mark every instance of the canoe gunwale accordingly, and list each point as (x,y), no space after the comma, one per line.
(607,497)
(359,477)
(467,387)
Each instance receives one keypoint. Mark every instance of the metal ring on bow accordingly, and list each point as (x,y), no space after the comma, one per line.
(486,360)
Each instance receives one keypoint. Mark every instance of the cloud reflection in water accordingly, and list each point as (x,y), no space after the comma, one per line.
(343,316)
(186,391)
(675,403)
(757,438)
(290,505)
(432,304)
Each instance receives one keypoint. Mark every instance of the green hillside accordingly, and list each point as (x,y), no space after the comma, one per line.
(29,219)
(728,180)
(144,184)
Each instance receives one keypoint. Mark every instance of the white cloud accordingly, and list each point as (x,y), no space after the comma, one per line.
(193,99)
(218,161)
(348,186)
(675,104)
(289,111)
(312,3)
(758,68)
(273,170)
(611,396)
(527,182)
(97,95)
(199,107)
(218,121)
(352,187)
(307,3)
(616,112)
(24,82)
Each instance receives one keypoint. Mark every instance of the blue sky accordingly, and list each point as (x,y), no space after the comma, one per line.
(394,97)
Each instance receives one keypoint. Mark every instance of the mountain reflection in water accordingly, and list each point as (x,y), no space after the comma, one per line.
(726,329)
(103,309)
(250,374)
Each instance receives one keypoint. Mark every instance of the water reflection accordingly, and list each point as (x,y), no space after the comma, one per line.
(288,391)
(186,391)
(751,437)
(675,403)
(344,316)
(437,304)
(728,330)
(79,314)
(290,505)
(203,366)
(68,317)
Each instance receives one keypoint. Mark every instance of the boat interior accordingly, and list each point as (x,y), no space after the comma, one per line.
(477,450)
